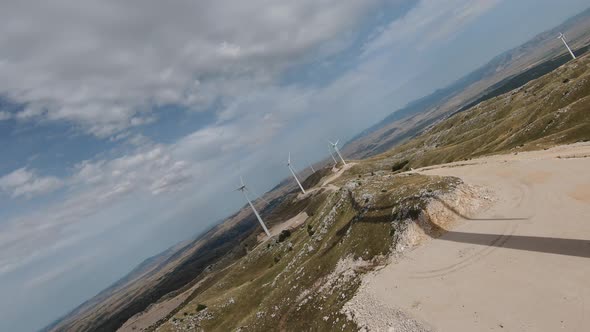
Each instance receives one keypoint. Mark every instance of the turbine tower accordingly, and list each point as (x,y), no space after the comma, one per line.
(293,172)
(311,167)
(244,189)
(335,147)
(331,155)
(562,37)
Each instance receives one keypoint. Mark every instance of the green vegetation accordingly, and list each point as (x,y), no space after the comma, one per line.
(284,235)
(399,165)
(549,111)
(302,281)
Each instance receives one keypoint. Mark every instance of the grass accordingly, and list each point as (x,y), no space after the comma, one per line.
(267,285)
(549,111)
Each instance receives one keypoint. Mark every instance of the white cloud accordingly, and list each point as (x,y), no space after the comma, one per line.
(59,271)
(23,182)
(429,22)
(103,65)
(95,187)
(150,169)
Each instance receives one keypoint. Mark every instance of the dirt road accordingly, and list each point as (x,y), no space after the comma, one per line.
(521,265)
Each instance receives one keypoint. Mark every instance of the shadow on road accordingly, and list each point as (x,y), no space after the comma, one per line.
(469,218)
(551,245)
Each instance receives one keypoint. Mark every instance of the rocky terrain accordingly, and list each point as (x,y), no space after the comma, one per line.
(494,268)
(302,281)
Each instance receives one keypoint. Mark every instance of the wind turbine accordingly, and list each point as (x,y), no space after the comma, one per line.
(244,189)
(562,37)
(331,155)
(335,147)
(293,172)
(311,167)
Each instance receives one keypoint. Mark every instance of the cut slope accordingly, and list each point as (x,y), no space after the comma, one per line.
(302,282)
(521,265)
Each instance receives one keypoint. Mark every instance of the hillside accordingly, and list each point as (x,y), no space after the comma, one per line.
(503,73)
(170,271)
(360,220)
(549,111)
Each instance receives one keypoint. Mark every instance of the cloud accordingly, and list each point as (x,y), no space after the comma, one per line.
(432,21)
(94,188)
(23,182)
(150,169)
(58,271)
(105,65)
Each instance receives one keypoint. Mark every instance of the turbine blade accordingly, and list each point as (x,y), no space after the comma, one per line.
(289,160)
(337,142)
(242,181)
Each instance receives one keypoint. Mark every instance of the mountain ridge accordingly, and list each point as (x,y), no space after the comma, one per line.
(471,88)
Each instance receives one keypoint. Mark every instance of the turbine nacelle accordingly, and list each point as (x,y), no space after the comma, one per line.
(242,185)
(335,147)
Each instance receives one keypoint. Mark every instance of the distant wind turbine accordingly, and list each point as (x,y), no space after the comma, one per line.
(331,155)
(244,191)
(335,147)
(311,167)
(562,37)
(293,172)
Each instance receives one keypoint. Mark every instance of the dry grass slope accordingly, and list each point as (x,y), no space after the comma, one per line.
(303,282)
(552,110)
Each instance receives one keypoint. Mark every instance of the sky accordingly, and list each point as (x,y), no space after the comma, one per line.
(124,125)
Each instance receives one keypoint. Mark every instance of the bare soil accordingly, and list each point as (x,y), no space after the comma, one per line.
(520,265)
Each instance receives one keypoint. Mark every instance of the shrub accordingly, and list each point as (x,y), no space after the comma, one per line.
(201,307)
(284,234)
(309,230)
(397,166)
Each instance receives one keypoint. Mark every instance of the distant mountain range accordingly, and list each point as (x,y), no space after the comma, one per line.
(504,72)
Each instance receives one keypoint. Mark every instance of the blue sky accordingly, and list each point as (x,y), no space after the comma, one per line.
(122,125)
